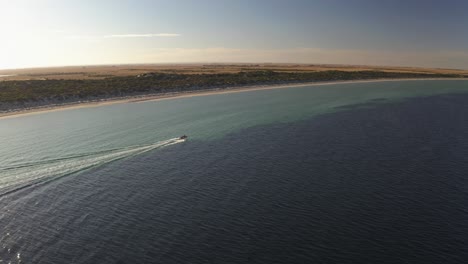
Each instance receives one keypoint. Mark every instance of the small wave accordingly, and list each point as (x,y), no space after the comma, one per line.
(24,175)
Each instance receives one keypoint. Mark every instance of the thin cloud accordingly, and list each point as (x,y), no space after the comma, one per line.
(100,37)
(161,35)
(82,37)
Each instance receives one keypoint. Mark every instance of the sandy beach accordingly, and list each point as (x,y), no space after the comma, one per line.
(166,96)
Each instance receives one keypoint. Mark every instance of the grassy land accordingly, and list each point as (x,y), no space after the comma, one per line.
(107,71)
(19,94)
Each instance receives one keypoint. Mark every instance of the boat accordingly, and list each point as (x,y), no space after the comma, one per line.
(183,137)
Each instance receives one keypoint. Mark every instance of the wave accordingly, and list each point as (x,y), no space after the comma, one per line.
(20,176)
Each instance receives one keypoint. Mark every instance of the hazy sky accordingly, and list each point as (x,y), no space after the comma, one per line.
(64,32)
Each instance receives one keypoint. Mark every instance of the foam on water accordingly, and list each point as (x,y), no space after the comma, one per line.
(24,175)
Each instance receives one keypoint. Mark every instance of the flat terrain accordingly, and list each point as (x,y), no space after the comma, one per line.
(107,71)
(44,88)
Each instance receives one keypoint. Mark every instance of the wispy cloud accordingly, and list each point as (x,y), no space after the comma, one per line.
(162,35)
(99,38)
(87,37)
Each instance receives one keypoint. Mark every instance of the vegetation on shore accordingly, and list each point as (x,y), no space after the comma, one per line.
(15,95)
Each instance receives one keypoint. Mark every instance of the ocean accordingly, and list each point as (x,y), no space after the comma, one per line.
(342,173)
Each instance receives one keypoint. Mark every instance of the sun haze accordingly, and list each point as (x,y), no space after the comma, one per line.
(395,33)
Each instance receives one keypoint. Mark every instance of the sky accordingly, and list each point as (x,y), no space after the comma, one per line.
(38,33)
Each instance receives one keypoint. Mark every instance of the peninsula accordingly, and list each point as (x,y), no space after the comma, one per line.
(29,89)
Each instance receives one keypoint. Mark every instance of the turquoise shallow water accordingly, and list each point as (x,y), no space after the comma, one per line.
(38,139)
(57,134)
(83,162)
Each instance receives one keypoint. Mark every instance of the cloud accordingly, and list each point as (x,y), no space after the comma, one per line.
(162,35)
(82,37)
(100,37)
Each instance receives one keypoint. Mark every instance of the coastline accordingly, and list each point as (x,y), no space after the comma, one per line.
(175,95)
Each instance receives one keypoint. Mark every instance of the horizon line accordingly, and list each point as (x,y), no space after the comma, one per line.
(224,63)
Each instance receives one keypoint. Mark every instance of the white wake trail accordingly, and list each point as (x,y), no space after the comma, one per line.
(21,176)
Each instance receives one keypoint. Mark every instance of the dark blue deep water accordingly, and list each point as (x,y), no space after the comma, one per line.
(385,182)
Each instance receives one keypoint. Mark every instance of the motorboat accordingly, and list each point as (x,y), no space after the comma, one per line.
(183,137)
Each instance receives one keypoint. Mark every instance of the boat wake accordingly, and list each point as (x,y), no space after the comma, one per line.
(20,176)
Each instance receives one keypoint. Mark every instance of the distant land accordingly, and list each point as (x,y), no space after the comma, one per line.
(106,71)
(38,88)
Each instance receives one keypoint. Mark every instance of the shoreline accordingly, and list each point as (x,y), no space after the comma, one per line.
(205,92)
